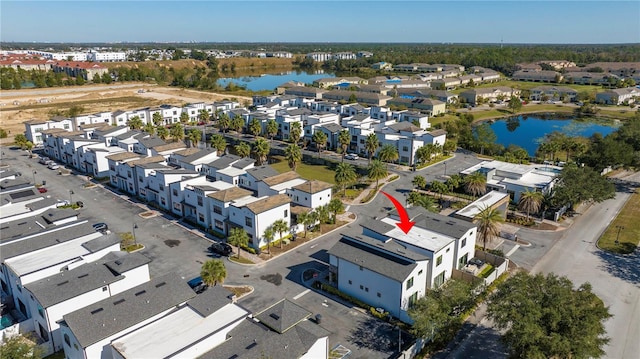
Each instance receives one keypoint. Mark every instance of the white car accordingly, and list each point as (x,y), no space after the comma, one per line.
(351,156)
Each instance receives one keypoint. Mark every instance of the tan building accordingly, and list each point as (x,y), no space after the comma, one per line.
(490,94)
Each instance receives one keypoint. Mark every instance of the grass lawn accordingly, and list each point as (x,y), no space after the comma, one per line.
(241,260)
(630,235)
(308,172)
(525,85)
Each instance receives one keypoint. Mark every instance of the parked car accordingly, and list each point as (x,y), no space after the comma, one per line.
(197,285)
(80,204)
(44,160)
(351,156)
(53,166)
(42,189)
(477,262)
(222,249)
(101,227)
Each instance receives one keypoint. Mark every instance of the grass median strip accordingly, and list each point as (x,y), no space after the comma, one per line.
(625,228)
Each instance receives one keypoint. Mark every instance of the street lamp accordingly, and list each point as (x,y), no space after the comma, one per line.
(71,193)
(134,234)
(618,235)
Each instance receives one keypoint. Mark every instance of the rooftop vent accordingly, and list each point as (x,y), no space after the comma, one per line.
(140,292)
(96,311)
(160,284)
(274,316)
(120,301)
(63,283)
(84,275)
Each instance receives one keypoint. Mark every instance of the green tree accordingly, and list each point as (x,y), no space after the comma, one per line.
(545,317)
(184,117)
(376,171)
(218,142)
(224,122)
(439,188)
(243,149)
(20,347)
(162,132)
(237,123)
(295,132)
(271,128)
(280,226)
(343,140)
(80,80)
(149,128)
(255,127)
(194,135)
(419,181)
(293,155)
(20,140)
(345,175)
(425,153)
(213,272)
(320,139)
(371,145)
(530,201)
(488,221)
(157,118)
(177,132)
(475,184)
(424,201)
(261,150)
(304,218)
(135,123)
(106,78)
(578,184)
(75,110)
(388,153)
(336,207)
(454,182)
(484,136)
(239,238)
(204,115)
(515,104)
(269,235)
(437,314)
(3,133)
(323,213)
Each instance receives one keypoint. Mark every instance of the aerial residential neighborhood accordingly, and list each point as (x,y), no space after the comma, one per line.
(302,180)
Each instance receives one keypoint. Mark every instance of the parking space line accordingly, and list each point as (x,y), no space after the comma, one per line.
(301,294)
(513,250)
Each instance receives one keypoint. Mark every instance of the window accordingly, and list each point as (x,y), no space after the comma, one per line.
(41,312)
(366,289)
(438,260)
(248,222)
(438,280)
(104,289)
(462,261)
(163,201)
(175,192)
(379,295)
(350,282)
(218,225)
(201,217)
(161,187)
(217,209)
(361,287)
(44,334)
(129,174)
(410,283)
(67,340)
(413,299)
(286,213)
(464,243)
(420,272)
(360,267)
(200,201)
(448,249)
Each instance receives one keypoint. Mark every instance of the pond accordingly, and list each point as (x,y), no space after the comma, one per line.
(528,131)
(271,81)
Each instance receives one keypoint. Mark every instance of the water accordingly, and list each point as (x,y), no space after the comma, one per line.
(528,131)
(271,81)
(6,321)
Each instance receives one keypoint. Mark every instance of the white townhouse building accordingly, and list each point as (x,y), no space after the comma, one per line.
(319,56)
(256,214)
(515,178)
(177,192)
(89,331)
(313,121)
(224,163)
(145,144)
(52,297)
(255,175)
(220,203)
(196,204)
(285,118)
(331,130)
(553,93)
(384,274)
(311,194)
(95,56)
(279,184)
(34,129)
(158,183)
(619,96)
(195,161)
(490,94)
(122,176)
(106,134)
(234,174)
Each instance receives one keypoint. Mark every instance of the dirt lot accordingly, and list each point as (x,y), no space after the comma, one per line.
(22,105)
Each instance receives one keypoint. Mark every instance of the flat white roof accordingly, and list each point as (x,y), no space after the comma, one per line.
(46,257)
(168,335)
(232,171)
(219,185)
(532,179)
(241,202)
(288,184)
(18,208)
(485,201)
(418,237)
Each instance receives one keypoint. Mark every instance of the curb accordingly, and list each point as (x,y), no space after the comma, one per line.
(378,190)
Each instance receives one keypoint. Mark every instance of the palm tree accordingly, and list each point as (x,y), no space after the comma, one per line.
(312,219)
(323,213)
(388,153)
(293,154)
(344,139)
(376,171)
(224,122)
(219,143)
(320,138)
(419,182)
(295,132)
(194,136)
(157,118)
(335,206)
(488,221)
(213,272)
(162,132)
(135,123)
(204,115)
(243,149)
(439,188)
(530,201)
(269,235)
(303,218)
(239,238)
(371,145)
(280,226)
(254,127)
(184,117)
(271,128)
(150,128)
(237,123)
(177,132)
(261,149)
(345,174)
(426,202)
(475,184)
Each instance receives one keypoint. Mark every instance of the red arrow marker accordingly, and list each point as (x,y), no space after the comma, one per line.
(405,224)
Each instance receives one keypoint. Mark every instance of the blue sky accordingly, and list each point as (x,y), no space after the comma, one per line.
(516,21)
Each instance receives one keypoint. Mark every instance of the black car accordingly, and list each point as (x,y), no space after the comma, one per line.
(222,249)
(101,227)
(197,285)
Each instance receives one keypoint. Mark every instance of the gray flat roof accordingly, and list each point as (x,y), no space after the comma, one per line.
(110,316)
(224,161)
(262,172)
(435,222)
(376,256)
(210,300)
(20,228)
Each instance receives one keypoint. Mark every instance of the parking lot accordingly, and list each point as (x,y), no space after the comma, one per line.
(174,248)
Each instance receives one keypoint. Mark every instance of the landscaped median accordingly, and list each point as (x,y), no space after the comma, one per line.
(623,234)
